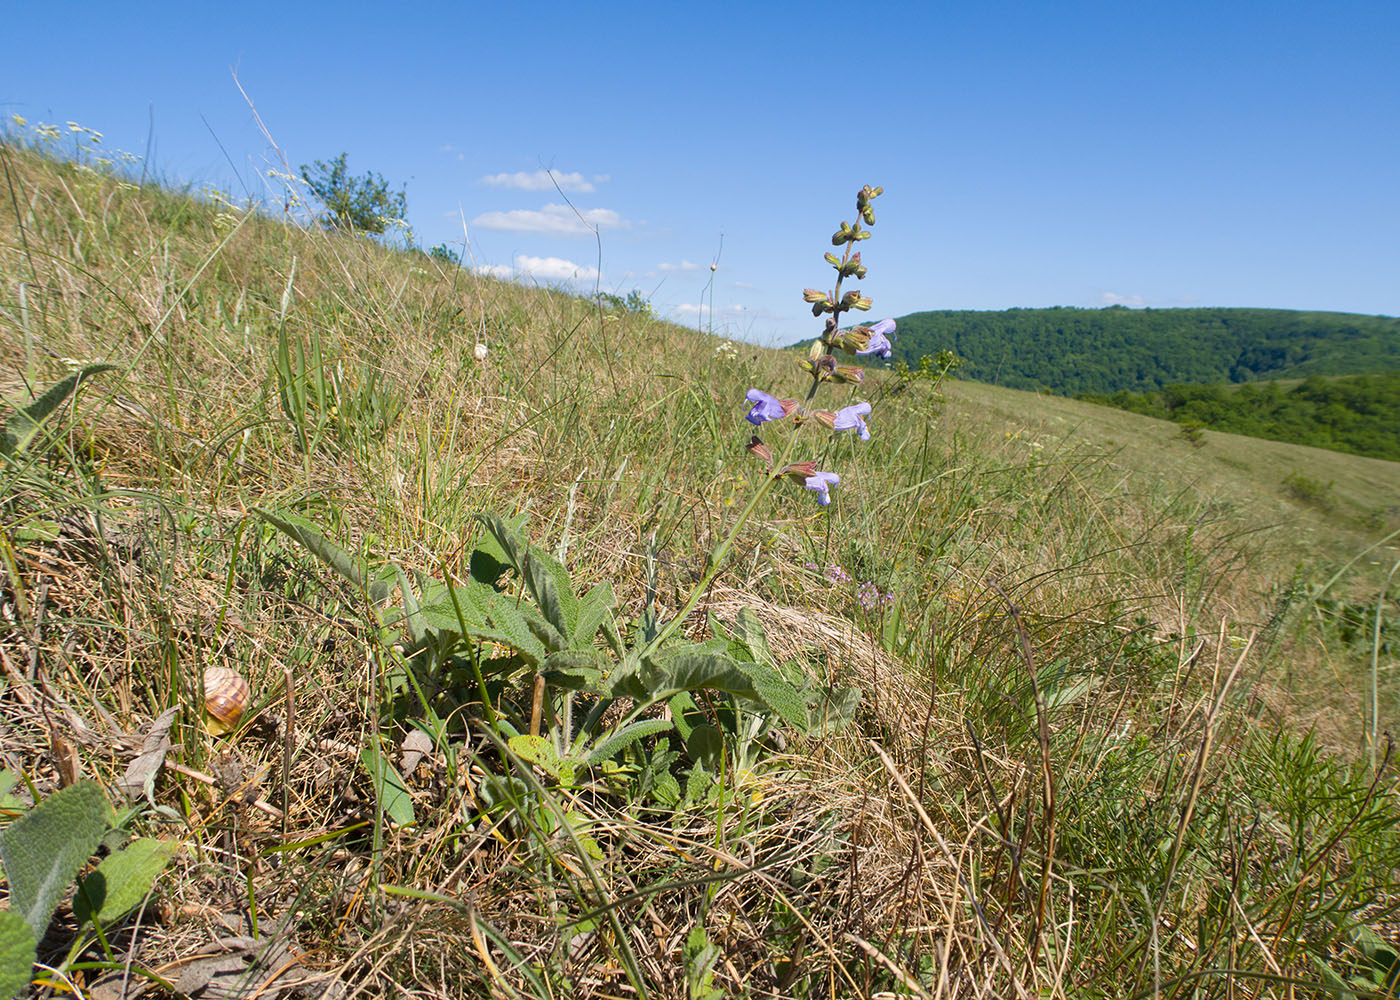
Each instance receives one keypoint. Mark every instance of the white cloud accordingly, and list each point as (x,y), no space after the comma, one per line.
(543,180)
(1114,299)
(540,269)
(694,309)
(553,269)
(554,220)
(684,265)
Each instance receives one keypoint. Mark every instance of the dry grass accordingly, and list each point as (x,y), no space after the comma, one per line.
(905,855)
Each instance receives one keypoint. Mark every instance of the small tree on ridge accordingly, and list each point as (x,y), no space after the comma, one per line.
(359,204)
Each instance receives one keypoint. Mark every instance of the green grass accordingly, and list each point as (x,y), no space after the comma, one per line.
(1112,731)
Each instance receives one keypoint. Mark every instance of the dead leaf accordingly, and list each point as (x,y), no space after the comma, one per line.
(416,745)
(141,774)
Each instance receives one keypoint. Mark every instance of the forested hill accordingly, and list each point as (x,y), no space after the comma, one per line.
(1106,350)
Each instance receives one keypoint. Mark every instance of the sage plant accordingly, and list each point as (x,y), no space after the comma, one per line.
(821,368)
(821,364)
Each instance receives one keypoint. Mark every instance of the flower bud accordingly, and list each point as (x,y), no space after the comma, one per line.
(825,418)
(843,235)
(760,449)
(832,259)
(812,295)
(857,338)
(850,374)
(849,299)
(817,350)
(862,303)
(800,470)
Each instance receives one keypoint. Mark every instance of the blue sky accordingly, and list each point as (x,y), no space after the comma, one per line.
(1032,154)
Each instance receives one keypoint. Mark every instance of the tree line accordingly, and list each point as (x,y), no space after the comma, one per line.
(1103,351)
(1359,414)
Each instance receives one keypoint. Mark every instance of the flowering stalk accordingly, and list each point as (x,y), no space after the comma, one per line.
(821,365)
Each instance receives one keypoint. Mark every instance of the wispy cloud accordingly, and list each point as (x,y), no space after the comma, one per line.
(544,180)
(695,309)
(553,220)
(540,269)
(1114,299)
(684,265)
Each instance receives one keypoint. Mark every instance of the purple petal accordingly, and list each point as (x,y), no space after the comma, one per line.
(851,417)
(822,482)
(765,407)
(881,334)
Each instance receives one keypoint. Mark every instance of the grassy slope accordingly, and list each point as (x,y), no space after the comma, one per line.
(1191,829)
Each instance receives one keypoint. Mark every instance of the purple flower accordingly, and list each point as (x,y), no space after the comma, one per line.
(853,417)
(766,407)
(822,482)
(880,336)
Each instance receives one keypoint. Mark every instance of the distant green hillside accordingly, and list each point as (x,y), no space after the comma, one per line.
(1354,413)
(1107,350)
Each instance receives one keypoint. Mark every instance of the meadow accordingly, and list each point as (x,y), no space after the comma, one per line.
(1049,701)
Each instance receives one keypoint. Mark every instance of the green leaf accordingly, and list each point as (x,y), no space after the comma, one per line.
(749,631)
(695,669)
(592,610)
(309,536)
(11,805)
(22,425)
(539,751)
(388,784)
(17,953)
(122,880)
(615,741)
(774,690)
(544,576)
(573,669)
(705,746)
(506,617)
(44,850)
(834,710)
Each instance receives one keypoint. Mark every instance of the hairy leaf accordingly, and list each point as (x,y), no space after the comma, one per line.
(16,955)
(44,850)
(307,534)
(22,425)
(615,741)
(122,880)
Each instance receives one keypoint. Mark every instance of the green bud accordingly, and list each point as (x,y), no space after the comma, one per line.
(815,351)
(832,259)
(812,295)
(852,266)
(862,303)
(851,374)
(844,235)
(857,338)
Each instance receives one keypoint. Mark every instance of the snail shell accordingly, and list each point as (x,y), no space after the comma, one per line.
(226,698)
